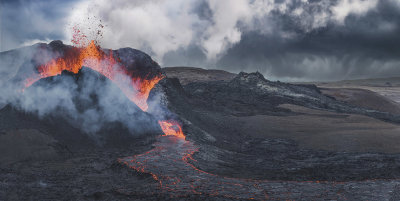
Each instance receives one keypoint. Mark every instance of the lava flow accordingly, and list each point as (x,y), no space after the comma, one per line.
(168,162)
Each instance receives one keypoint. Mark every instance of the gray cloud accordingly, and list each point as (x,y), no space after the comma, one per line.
(289,44)
(361,47)
(25,22)
(291,40)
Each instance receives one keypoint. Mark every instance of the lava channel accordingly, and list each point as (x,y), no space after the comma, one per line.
(168,164)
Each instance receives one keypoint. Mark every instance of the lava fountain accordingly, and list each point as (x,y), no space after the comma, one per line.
(137,89)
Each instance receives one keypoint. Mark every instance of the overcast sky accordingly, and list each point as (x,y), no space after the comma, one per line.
(286,40)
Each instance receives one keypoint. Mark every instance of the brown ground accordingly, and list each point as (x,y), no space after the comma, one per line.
(388,87)
(363,98)
(324,130)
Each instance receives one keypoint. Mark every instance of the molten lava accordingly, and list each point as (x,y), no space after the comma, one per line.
(137,89)
(171,127)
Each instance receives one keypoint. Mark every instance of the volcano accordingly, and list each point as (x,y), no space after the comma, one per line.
(92,123)
(87,99)
(97,107)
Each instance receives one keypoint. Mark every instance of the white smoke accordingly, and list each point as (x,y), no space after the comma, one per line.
(159,26)
(89,104)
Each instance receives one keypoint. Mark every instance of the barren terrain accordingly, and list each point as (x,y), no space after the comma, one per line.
(244,137)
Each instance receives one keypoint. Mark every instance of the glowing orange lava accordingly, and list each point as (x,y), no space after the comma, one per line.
(171,127)
(137,89)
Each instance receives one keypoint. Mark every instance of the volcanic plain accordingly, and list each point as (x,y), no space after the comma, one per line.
(237,137)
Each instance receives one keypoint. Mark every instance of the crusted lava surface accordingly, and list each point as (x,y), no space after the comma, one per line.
(214,113)
(231,164)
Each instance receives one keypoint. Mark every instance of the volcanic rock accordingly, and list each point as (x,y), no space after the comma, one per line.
(188,75)
(251,93)
(233,123)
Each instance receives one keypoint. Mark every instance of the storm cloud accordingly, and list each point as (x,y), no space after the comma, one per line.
(286,40)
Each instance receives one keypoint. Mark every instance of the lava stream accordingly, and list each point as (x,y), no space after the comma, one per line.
(168,163)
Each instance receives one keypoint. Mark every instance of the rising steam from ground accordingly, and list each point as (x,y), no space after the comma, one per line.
(89,103)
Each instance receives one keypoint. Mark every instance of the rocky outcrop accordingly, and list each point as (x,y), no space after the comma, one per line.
(251,93)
